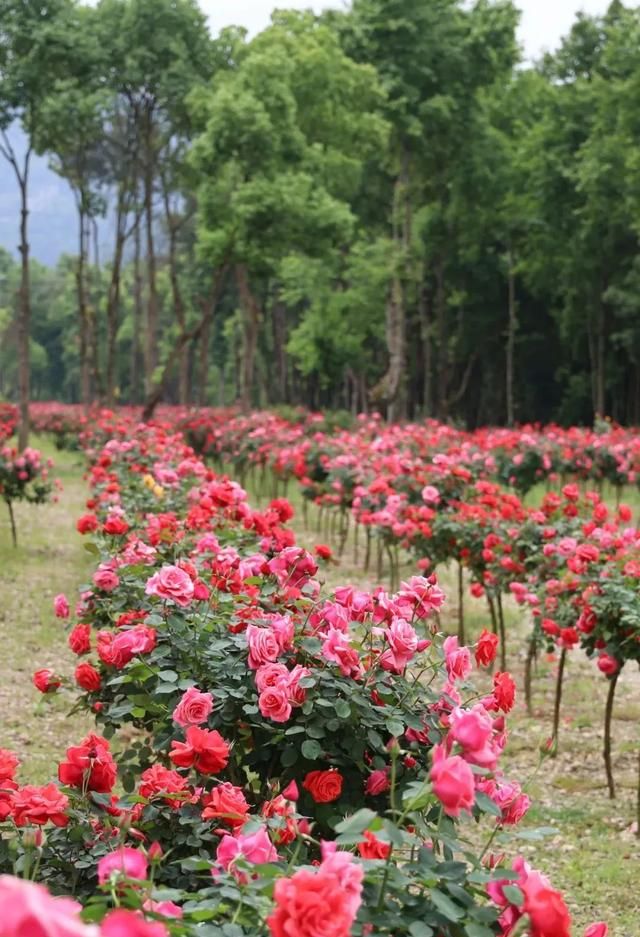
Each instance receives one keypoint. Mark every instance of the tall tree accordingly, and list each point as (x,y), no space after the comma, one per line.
(32,51)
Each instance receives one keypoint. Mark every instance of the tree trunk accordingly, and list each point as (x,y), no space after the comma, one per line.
(203,364)
(279,325)
(424,311)
(600,364)
(176,292)
(83,312)
(113,306)
(151,324)
(157,391)
(24,316)
(251,317)
(396,324)
(137,313)
(511,339)
(443,344)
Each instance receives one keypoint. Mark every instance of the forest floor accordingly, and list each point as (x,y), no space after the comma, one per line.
(590,849)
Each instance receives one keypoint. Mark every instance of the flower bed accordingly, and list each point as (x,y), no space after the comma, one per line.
(267,759)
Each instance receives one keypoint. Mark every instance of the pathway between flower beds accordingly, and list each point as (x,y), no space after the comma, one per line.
(50,558)
(594,856)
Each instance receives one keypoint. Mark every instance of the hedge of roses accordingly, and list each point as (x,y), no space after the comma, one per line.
(443,495)
(267,759)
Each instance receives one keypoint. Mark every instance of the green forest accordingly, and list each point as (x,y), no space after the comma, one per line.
(382,208)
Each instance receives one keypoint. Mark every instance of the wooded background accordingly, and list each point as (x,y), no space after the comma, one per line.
(379,208)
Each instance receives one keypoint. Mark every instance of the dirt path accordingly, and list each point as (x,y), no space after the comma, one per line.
(49,559)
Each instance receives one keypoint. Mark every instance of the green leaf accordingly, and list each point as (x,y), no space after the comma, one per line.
(474,929)
(168,676)
(514,895)
(420,929)
(446,906)
(357,823)
(343,710)
(311,750)
(487,805)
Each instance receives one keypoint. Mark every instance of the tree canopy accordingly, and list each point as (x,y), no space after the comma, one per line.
(380,207)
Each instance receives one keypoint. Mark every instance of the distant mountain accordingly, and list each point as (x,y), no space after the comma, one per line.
(52,221)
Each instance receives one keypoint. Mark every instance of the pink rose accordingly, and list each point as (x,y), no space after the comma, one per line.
(127,861)
(452,781)
(403,643)
(457,659)
(274,703)
(27,909)
(263,646)
(106,579)
(121,923)
(271,675)
(254,848)
(377,782)
(194,708)
(61,606)
(599,929)
(173,583)
(471,728)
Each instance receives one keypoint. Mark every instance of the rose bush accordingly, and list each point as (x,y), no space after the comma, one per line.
(267,759)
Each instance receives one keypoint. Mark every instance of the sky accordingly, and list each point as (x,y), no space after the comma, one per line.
(542,25)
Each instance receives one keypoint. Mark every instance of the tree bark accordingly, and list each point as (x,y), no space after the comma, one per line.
(443,345)
(137,312)
(396,377)
(24,293)
(24,318)
(151,325)
(251,318)
(600,363)
(511,340)
(173,227)
(83,312)
(424,310)
(113,305)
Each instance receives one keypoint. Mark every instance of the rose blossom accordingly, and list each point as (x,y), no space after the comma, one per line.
(263,644)
(274,703)
(27,909)
(106,579)
(61,606)
(127,861)
(173,583)
(324,786)
(457,659)
(122,923)
(452,781)
(194,708)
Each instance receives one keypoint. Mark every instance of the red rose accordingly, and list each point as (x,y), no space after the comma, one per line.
(226,803)
(116,526)
(88,678)
(486,648)
(160,781)
(324,786)
(46,681)
(87,523)
(323,551)
(205,751)
(373,848)
(79,639)
(38,805)
(89,764)
(504,691)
